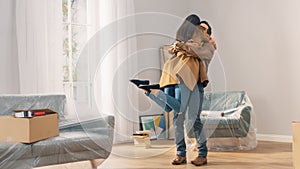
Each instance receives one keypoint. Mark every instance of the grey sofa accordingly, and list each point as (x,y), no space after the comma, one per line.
(77,141)
(228,121)
(226,114)
(227,117)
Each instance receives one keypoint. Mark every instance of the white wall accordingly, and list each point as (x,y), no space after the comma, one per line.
(258,45)
(8,49)
(151,19)
(258,42)
(174,10)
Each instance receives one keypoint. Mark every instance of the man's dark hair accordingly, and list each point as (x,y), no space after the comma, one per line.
(187,28)
(209,30)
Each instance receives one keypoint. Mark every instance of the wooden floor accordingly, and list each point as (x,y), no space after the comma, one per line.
(267,155)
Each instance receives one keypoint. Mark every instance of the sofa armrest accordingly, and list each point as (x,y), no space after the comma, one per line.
(101,122)
(228,123)
(101,125)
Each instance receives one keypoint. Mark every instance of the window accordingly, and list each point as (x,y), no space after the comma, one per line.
(74,37)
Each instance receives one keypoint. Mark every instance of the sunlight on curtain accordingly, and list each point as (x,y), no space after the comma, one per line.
(39,37)
(115,69)
(9,71)
(104,62)
(119,69)
(38,25)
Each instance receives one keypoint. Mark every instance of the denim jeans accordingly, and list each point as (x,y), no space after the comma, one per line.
(167,102)
(174,91)
(189,105)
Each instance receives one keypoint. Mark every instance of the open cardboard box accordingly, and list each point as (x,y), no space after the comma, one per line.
(296,145)
(28,130)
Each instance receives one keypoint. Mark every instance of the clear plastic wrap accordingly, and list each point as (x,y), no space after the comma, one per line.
(228,117)
(229,121)
(77,141)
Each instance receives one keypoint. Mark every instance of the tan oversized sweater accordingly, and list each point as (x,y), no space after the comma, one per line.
(189,62)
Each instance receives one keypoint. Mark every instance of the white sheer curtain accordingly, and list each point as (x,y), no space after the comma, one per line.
(115,67)
(39,39)
(9,72)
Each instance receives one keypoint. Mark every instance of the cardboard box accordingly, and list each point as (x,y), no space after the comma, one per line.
(296,145)
(28,130)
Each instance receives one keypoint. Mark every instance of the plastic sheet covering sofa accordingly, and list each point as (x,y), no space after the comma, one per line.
(229,120)
(77,141)
(228,117)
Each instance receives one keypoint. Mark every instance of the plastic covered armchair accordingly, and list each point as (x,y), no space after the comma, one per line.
(229,120)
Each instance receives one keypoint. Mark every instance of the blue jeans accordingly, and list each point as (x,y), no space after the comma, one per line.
(193,101)
(174,91)
(168,102)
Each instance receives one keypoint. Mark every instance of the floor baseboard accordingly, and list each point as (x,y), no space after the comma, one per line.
(277,138)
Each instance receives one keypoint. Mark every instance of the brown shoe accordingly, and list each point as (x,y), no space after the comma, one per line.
(179,160)
(199,161)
